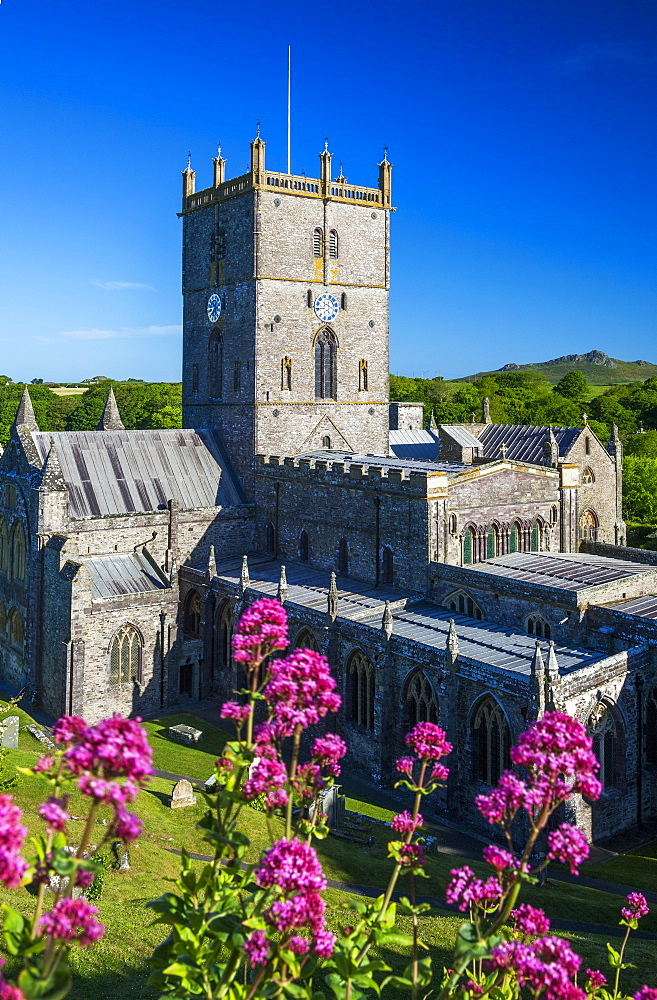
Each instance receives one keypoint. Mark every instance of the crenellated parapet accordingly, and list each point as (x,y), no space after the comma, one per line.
(366,475)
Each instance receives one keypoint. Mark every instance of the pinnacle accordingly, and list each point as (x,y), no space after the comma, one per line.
(25,413)
(111,418)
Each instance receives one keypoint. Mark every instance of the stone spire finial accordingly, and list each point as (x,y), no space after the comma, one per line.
(219,164)
(550,449)
(188,180)
(614,446)
(52,477)
(212,564)
(433,426)
(451,644)
(585,418)
(386,621)
(245,579)
(485,410)
(111,418)
(25,413)
(281,593)
(473,417)
(503,451)
(538,680)
(332,598)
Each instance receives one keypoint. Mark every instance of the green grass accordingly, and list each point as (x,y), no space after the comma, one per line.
(197,761)
(637,868)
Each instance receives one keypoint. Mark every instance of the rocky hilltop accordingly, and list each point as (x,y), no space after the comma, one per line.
(598,367)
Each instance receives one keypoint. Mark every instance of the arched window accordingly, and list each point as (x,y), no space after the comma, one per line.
(270,538)
(326,365)
(18,552)
(343,557)
(461,602)
(286,373)
(587,445)
(306,640)
(225,629)
(605,729)
(650,727)
(515,536)
(216,368)
(333,244)
(343,301)
(362,375)
(125,656)
(16,633)
(554,514)
(387,566)
(490,742)
(536,537)
(192,614)
(588,476)
(468,546)
(303,547)
(4,547)
(538,626)
(588,525)
(491,542)
(3,619)
(326,442)
(361,675)
(309,298)
(318,243)
(421,702)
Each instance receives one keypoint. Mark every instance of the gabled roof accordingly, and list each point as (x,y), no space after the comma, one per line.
(525,443)
(419,444)
(120,574)
(123,472)
(461,435)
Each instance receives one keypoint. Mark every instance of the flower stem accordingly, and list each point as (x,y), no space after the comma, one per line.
(293,771)
(620,962)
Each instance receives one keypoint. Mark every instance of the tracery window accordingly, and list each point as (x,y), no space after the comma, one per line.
(491,542)
(515,538)
(343,557)
(16,633)
(333,244)
(216,368)
(286,373)
(588,476)
(588,525)
(608,745)
(4,547)
(326,365)
(468,546)
(362,375)
(421,702)
(125,656)
(361,675)
(18,552)
(318,243)
(490,742)
(535,538)
(303,547)
(306,640)
(387,566)
(192,614)
(453,524)
(538,626)
(463,604)
(225,629)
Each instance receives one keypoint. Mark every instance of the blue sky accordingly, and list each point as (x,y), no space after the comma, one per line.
(523,138)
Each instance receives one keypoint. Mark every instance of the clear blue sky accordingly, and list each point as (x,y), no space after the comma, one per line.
(523,137)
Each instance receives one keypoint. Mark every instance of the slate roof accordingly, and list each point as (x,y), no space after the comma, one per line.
(122,472)
(644,607)
(119,574)
(462,435)
(571,571)
(385,462)
(525,444)
(423,445)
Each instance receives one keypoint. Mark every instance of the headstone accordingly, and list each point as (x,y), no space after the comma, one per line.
(211,783)
(332,804)
(10,732)
(125,862)
(182,795)
(185,734)
(40,736)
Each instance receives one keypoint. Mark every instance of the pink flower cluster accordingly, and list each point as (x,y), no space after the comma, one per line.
(327,751)
(529,920)
(499,858)
(261,630)
(646,993)
(236,712)
(73,920)
(557,751)
(12,838)
(300,690)
(256,948)
(568,844)
(266,774)
(635,907)
(292,868)
(53,811)
(7,990)
(595,980)
(404,823)
(427,740)
(546,966)
(466,889)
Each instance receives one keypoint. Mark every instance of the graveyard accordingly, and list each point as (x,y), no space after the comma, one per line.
(353,856)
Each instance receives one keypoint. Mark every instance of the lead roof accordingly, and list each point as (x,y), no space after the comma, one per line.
(525,444)
(572,571)
(120,574)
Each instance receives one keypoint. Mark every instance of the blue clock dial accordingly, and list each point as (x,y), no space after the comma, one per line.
(214,308)
(326,307)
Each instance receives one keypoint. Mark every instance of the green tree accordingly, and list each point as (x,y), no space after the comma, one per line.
(573,386)
(640,488)
(644,445)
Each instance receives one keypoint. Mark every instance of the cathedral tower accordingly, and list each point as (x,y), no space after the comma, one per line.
(285,321)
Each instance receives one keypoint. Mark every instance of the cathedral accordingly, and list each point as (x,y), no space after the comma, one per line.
(474,574)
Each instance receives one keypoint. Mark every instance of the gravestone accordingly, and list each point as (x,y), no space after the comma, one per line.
(124,865)
(40,736)
(10,732)
(185,734)
(332,804)
(182,795)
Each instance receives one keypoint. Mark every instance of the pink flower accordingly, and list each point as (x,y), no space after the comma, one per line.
(12,838)
(439,772)
(568,844)
(44,764)
(557,751)
(499,858)
(68,729)
(232,710)
(528,920)
(405,765)
(84,878)
(301,690)
(502,803)
(54,813)
(126,825)
(412,856)
(256,948)
(117,747)
(299,945)
(109,792)
(646,993)
(73,920)
(10,992)
(327,751)
(277,798)
(264,775)
(261,630)
(291,865)
(324,944)
(545,966)
(595,979)
(428,741)
(404,822)
(465,888)
(635,907)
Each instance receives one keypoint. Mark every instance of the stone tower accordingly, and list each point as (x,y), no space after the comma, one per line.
(285,320)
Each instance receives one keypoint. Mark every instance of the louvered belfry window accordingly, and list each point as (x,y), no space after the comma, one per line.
(318,243)
(326,365)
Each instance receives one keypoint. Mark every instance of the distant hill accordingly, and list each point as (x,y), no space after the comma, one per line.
(597,366)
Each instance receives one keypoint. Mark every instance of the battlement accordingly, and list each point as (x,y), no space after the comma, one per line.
(374,474)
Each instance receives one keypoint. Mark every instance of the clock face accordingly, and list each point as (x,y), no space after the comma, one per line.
(326,307)
(214,308)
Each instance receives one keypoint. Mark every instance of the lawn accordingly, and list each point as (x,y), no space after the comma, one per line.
(194,761)
(636,868)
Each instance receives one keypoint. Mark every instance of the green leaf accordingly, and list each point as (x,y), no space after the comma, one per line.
(55,987)
(614,957)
